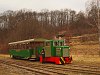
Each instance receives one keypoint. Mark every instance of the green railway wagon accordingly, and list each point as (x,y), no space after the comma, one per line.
(27,49)
(21,53)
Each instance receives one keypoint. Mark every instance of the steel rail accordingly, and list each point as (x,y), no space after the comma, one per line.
(59,69)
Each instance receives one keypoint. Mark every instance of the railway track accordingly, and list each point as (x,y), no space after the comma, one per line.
(36,69)
(74,68)
(51,69)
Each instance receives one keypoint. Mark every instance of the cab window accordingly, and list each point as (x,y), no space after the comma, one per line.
(47,43)
(56,44)
(61,43)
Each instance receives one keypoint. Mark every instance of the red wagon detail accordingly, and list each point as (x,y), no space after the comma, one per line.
(68,59)
(53,59)
(56,60)
(50,59)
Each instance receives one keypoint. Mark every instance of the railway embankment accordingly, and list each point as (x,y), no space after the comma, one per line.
(20,67)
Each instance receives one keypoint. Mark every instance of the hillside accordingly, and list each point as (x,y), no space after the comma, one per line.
(87,44)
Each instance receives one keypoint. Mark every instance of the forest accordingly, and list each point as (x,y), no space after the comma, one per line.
(26,24)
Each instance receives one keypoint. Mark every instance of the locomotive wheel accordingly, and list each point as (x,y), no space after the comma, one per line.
(13,56)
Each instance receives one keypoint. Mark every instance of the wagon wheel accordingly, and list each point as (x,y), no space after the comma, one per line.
(13,56)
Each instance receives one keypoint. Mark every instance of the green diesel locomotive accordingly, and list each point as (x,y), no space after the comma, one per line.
(55,50)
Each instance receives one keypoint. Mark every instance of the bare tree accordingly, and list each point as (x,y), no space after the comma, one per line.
(93,13)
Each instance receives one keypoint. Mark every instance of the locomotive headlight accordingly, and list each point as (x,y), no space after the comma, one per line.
(58,48)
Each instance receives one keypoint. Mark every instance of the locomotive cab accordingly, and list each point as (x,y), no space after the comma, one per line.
(60,49)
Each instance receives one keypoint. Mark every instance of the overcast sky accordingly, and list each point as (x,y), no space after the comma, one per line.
(38,5)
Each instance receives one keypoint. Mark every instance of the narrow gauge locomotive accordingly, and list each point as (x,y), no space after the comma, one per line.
(55,51)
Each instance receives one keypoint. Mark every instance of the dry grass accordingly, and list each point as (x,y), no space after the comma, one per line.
(86,46)
(86,60)
(4,56)
(85,49)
